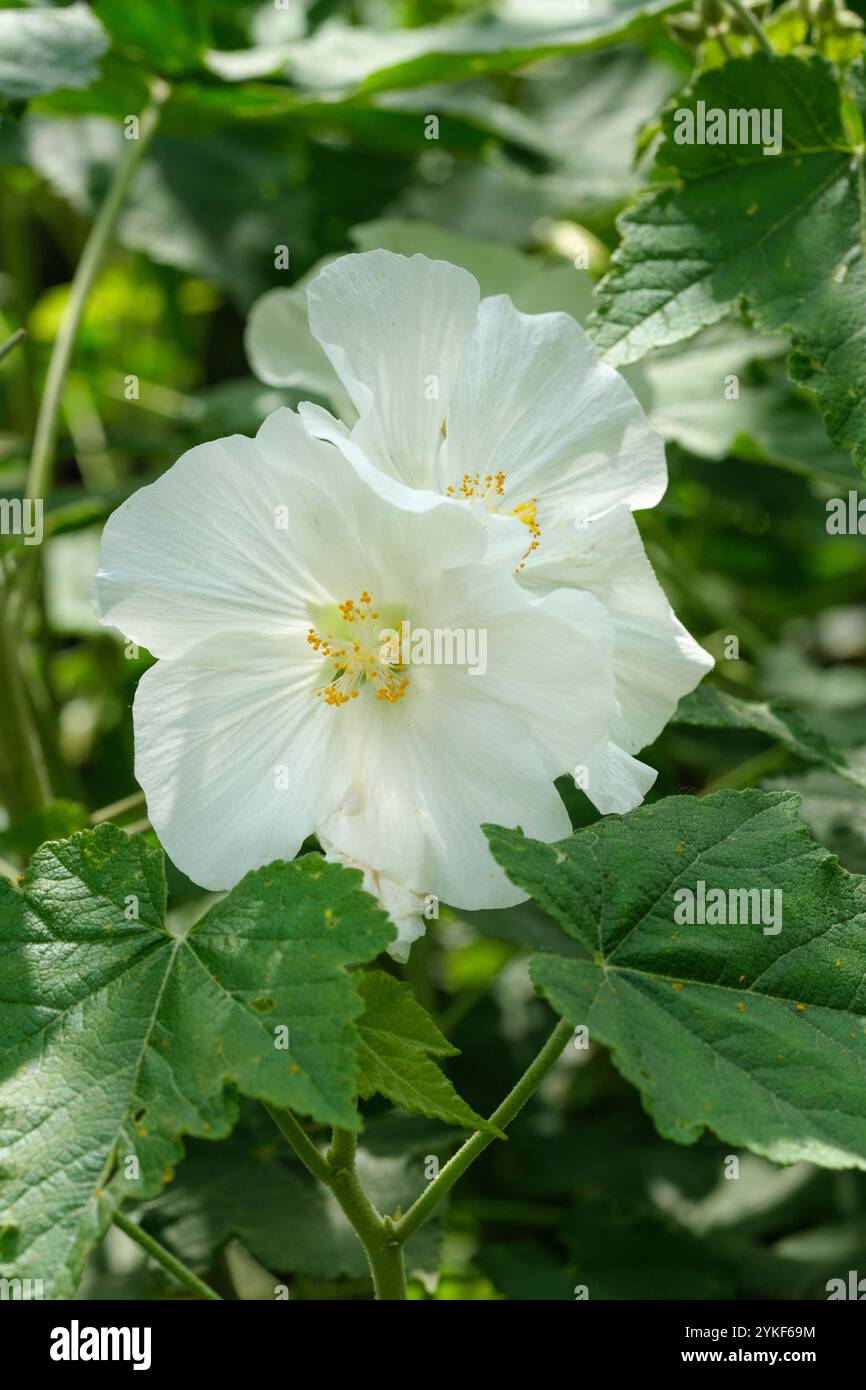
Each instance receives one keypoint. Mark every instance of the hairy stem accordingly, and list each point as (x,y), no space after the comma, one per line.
(502,1116)
(383,1238)
(164,1257)
(336,1170)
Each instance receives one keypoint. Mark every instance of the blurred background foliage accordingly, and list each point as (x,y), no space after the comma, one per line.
(304,125)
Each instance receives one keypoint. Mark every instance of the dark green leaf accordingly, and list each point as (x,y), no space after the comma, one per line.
(118,1037)
(759,1036)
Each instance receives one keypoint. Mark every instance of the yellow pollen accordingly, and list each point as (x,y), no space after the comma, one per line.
(527,512)
(359,660)
(489,487)
(485,486)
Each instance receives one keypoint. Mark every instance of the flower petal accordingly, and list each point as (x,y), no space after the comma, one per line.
(358,533)
(656,662)
(238,764)
(533,401)
(395,330)
(281,349)
(463,749)
(203,549)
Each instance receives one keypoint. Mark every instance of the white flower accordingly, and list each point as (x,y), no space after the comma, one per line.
(262,573)
(514,414)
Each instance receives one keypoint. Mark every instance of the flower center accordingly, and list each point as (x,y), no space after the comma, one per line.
(351,642)
(487,487)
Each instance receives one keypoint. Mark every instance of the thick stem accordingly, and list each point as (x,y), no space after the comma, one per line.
(165,1258)
(337,1171)
(382,1238)
(42,458)
(502,1116)
(754,25)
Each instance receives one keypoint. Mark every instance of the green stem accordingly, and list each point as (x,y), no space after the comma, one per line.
(337,1171)
(42,458)
(23,773)
(314,1161)
(118,808)
(12,343)
(511,1106)
(384,1251)
(747,773)
(382,1238)
(165,1258)
(754,25)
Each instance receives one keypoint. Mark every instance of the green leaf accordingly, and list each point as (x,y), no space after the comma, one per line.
(759,1038)
(783,232)
(399,1041)
(117,1038)
(340,57)
(621,1254)
(168,35)
(41,50)
(215,206)
(708,707)
(54,821)
(768,422)
(288,1221)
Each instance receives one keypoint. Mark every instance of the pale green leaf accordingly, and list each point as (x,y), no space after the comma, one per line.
(41,50)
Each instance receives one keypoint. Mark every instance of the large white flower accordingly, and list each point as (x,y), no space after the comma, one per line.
(262,574)
(515,415)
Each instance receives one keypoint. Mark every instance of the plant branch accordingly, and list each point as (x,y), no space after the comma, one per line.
(42,459)
(164,1257)
(313,1160)
(118,808)
(23,773)
(383,1238)
(502,1116)
(742,11)
(12,343)
(337,1171)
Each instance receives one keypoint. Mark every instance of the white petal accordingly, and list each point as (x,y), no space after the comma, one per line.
(237,765)
(533,401)
(431,777)
(656,662)
(548,661)
(281,349)
(355,533)
(203,550)
(404,908)
(617,782)
(395,330)
(461,749)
